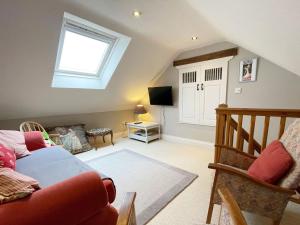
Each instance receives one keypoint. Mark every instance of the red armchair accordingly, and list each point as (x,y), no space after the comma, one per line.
(81,200)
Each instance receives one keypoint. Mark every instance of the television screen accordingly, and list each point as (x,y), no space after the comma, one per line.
(160,95)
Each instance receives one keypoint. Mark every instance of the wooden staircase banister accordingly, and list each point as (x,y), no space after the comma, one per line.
(245,135)
(232,133)
(293,113)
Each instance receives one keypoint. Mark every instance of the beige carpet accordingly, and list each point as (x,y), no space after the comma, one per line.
(189,207)
(155,183)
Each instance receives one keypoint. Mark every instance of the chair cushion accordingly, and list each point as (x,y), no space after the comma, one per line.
(7,158)
(273,163)
(98,131)
(14,140)
(291,141)
(34,140)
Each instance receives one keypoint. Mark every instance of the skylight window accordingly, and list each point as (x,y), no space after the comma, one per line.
(88,54)
(82,54)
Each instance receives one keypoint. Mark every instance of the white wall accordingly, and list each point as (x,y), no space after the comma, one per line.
(275,88)
(114,120)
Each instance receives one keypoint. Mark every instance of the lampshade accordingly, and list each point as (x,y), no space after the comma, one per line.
(140,109)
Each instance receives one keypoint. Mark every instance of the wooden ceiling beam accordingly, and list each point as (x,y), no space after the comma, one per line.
(205,57)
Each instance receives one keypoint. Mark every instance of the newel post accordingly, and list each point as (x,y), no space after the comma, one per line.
(220,130)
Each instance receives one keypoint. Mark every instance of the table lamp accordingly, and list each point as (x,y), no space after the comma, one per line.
(139,109)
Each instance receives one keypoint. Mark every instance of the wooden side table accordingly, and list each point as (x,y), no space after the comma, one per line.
(145,131)
(98,132)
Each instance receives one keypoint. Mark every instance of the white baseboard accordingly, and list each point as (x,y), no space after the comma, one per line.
(181,140)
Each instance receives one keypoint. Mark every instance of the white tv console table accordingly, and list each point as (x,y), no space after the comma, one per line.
(145,131)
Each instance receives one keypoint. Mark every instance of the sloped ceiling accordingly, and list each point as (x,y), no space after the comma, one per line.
(29,38)
(30,32)
(269,28)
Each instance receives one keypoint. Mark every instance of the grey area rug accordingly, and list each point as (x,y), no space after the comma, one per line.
(155,182)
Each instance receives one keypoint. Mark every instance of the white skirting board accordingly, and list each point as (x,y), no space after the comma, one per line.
(203,144)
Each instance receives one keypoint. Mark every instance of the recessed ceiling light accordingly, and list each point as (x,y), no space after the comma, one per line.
(194,38)
(136,13)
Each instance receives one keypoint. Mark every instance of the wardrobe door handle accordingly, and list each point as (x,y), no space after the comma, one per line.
(197,87)
(202,88)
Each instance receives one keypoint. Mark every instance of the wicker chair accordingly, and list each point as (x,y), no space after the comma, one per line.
(34,126)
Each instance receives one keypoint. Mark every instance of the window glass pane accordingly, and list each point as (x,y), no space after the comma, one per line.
(82,54)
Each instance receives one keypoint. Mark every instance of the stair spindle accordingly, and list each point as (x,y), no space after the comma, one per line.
(239,133)
(265,134)
(251,134)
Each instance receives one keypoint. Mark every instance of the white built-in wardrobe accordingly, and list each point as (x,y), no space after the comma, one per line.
(202,87)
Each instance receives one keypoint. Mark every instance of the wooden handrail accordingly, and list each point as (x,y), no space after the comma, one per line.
(293,113)
(245,135)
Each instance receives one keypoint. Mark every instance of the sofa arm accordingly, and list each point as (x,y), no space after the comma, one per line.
(69,202)
(233,157)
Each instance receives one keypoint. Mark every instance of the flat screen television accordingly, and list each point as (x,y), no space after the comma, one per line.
(160,95)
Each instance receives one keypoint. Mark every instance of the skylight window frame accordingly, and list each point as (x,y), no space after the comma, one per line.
(82,30)
(118,44)
(85,33)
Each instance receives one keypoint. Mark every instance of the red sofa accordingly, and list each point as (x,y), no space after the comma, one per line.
(81,200)
(71,194)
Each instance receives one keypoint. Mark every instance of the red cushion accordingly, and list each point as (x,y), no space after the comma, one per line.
(34,140)
(272,164)
(7,157)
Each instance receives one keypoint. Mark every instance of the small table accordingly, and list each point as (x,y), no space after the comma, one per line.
(96,132)
(145,131)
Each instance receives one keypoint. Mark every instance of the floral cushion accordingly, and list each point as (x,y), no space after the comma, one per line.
(7,158)
(291,141)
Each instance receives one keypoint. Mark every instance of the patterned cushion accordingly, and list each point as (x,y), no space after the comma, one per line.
(7,158)
(71,142)
(79,131)
(14,140)
(15,185)
(291,142)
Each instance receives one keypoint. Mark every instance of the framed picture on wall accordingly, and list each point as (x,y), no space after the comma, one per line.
(248,70)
